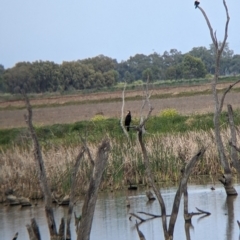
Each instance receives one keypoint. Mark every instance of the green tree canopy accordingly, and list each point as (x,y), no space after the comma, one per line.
(193,67)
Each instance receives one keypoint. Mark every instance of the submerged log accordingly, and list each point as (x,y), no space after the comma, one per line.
(15,236)
(25,202)
(150,196)
(12,200)
(140,234)
(33,230)
(127,202)
(65,201)
(131,186)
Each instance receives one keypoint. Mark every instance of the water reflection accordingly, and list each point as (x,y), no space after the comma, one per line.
(111,219)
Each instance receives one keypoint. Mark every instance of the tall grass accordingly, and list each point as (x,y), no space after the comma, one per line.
(170,138)
(125,162)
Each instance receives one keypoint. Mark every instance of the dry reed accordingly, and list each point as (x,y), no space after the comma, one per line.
(168,153)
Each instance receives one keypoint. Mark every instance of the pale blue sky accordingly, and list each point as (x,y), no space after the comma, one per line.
(67,30)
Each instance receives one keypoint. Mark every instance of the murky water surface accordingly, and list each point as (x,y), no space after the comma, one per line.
(111,219)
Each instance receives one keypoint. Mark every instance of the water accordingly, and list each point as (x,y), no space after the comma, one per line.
(111,219)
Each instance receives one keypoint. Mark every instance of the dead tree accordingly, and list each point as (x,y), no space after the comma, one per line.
(140,234)
(41,174)
(90,199)
(233,141)
(15,236)
(168,231)
(91,196)
(73,190)
(230,190)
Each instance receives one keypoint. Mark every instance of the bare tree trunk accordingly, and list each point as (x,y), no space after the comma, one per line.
(41,172)
(91,196)
(234,153)
(33,230)
(72,193)
(182,187)
(227,179)
(151,183)
(188,219)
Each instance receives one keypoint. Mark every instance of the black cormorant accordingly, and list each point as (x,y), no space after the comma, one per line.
(196,3)
(128,120)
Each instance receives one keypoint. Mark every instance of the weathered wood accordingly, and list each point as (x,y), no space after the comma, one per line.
(136,216)
(91,196)
(230,190)
(12,200)
(140,234)
(151,182)
(153,215)
(150,196)
(61,230)
(182,188)
(35,228)
(25,202)
(15,236)
(234,153)
(31,234)
(77,219)
(73,188)
(41,171)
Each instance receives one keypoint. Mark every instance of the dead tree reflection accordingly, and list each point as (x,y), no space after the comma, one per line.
(188,216)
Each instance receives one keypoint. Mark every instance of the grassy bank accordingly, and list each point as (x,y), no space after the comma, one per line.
(99,126)
(169,136)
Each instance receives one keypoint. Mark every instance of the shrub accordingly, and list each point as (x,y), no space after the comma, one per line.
(99,117)
(169,113)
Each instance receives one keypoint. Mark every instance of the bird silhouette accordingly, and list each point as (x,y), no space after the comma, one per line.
(196,3)
(128,120)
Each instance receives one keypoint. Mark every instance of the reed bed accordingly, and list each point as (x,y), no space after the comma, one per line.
(167,153)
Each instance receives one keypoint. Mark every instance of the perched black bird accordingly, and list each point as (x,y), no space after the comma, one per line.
(196,3)
(128,120)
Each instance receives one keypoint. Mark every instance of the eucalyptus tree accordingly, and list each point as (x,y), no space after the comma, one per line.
(46,76)
(205,55)
(19,78)
(2,87)
(193,67)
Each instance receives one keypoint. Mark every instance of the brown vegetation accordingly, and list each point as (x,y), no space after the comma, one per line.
(77,112)
(18,169)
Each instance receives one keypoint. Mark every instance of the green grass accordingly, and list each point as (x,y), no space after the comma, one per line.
(94,131)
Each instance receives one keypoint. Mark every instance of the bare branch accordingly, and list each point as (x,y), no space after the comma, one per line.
(91,196)
(153,215)
(233,141)
(226,27)
(15,236)
(140,234)
(73,187)
(152,184)
(231,144)
(41,171)
(181,189)
(122,113)
(210,27)
(136,216)
(203,212)
(88,151)
(225,93)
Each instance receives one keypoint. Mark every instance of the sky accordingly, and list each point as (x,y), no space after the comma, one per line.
(69,30)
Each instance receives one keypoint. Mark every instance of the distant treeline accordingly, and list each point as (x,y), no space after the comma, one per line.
(102,71)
